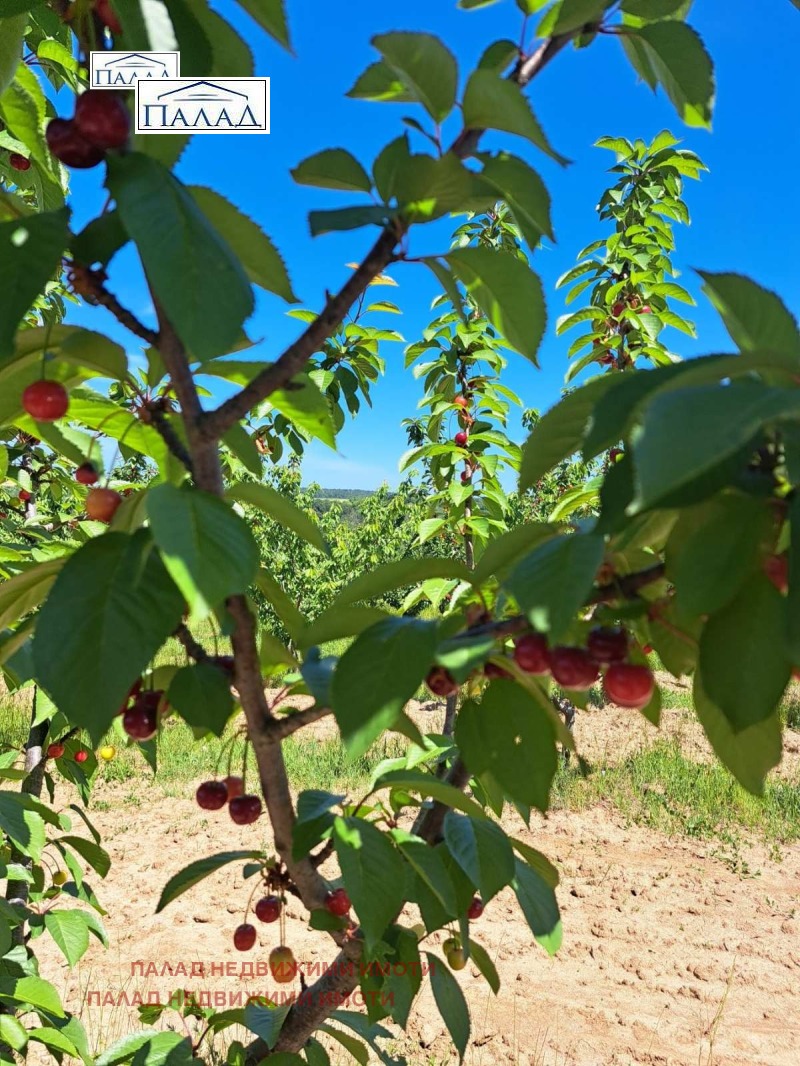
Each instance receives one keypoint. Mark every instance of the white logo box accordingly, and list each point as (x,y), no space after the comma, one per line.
(122,70)
(203,105)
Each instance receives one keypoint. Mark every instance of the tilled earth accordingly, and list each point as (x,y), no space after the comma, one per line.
(669,956)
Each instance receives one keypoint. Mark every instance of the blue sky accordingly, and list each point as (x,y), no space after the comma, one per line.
(752,153)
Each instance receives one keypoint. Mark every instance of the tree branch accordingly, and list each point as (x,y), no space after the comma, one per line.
(90,285)
(284,727)
(214,424)
(162,426)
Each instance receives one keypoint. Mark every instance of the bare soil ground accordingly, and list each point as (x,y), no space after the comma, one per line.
(669,957)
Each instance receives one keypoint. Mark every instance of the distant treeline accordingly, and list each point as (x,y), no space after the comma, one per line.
(344,494)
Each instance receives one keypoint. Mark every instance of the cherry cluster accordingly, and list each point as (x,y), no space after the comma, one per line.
(142,711)
(626,684)
(48,401)
(461,439)
(101,122)
(243,808)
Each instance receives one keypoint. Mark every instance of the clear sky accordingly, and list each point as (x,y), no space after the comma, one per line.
(744,215)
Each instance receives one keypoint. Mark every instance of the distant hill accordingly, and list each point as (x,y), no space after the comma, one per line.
(343,494)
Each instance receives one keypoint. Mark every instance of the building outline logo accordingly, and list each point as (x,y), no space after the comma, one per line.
(123,70)
(203,105)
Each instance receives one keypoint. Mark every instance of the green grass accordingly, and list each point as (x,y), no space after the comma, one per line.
(660,788)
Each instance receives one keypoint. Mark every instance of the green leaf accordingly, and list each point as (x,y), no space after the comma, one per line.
(538,862)
(112,607)
(96,856)
(281,509)
(755,317)
(191,875)
(271,15)
(525,193)
(381,82)
(717,421)
(743,655)
(207,548)
(683,67)
(652,10)
(30,250)
(25,591)
(377,676)
(480,957)
(201,695)
(194,272)
(507,291)
(749,754)
(33,990)
(12,1031)
(373,873)
(266,1021)
(714,548)
(538,902)
(334,168)
(100,240)
(12,32)
(427,862)
(426,69)
(568,15)
(482,850)
(347,218)
(56,1040)
(338,622)
(428,785)
(353,1047)
(22,825)
(560,431)
(495,103)
(306,407)
(314,818)
(552,583)
(451,1003)
(398,574)
(70,932)
(258,255)
(508,735)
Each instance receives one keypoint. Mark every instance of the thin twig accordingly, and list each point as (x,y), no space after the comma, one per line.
(280,728)
(90,284)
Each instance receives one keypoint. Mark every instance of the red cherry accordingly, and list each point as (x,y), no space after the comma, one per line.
(465,477)
(24,495)
(102,504)
(607,644)
(245,809)
(81,756)
(102,118)
(607,358)
(441,682)
(475,909)
(67,145)
(46,401)
(776,567)
(282,965)
(226,663)
(645,310)
(86,474)
(530,654)
(268,909)
(55,751)
(648,649)
(495,670)
(617,309)
(337,902)
(461,439)
(104,12)
(629,685)
(19,162)
(573,668)
(140,721)
(614,454)
(235,786)
(211,795)
(461,401)
(244,937)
